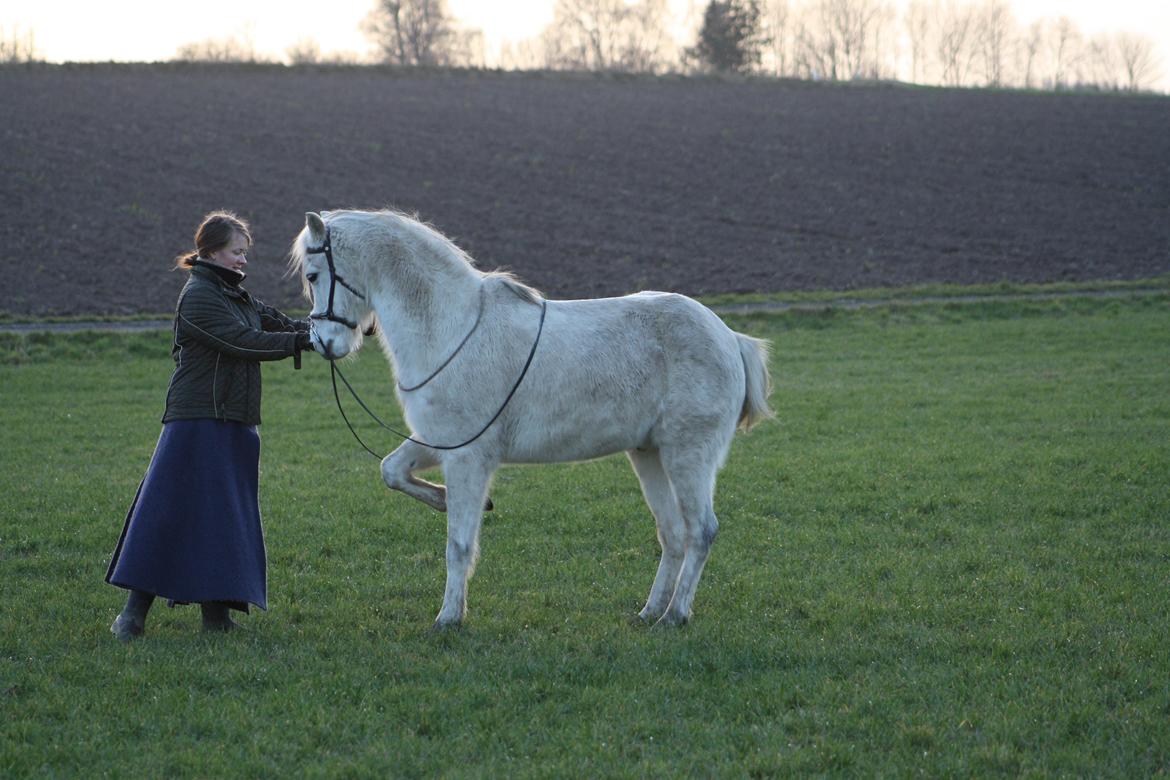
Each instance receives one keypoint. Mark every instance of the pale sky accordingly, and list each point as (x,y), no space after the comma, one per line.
(145,30)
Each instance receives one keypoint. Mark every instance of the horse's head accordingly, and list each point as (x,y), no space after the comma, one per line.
(331,279)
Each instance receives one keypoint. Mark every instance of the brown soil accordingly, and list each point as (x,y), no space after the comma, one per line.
(582,185)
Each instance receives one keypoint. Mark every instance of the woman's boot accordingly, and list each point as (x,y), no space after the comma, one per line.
(131,624)
(216,616)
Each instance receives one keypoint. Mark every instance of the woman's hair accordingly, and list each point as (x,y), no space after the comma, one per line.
(215,232)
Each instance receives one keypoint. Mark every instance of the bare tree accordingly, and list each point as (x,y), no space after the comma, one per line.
(995,33)
(607,35)
(305,51)
(956,42)
(882,48)
(645,44)
(1032,50)
(419,32)
(1100,66)
(229,49)
(1065,49)
(522,55)
(842,39)
(918,28)
(18,46)
(857,24)
(471,48)
(778,26)
(1137,59)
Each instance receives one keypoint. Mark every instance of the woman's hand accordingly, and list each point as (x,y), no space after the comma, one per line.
(306,342)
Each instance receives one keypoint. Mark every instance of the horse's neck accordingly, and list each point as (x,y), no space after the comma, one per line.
(422,326)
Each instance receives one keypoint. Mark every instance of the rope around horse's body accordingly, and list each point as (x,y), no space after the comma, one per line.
(462,344)
(335,372)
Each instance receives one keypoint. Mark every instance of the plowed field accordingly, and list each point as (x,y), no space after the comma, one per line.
(582,185)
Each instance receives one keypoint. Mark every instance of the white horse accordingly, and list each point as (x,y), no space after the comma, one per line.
(656,375)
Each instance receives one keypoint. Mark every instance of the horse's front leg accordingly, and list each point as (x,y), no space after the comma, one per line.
(467,486)
(398,473)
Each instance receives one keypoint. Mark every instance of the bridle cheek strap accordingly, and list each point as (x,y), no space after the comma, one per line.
(335,279)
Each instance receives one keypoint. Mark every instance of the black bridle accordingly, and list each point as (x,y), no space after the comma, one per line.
(335,279)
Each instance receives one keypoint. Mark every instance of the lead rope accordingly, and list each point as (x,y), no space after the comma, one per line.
(335,372)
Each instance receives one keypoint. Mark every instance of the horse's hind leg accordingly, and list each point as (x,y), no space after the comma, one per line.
(692,474)
(398,473)
(671,531)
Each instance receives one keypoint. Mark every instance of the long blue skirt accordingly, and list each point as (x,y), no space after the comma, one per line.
(193,533)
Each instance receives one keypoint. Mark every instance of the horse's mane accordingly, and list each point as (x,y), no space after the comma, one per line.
(420,231)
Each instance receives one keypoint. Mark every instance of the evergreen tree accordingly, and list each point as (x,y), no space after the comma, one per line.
(732,38)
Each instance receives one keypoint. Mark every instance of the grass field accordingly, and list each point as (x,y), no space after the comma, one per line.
(950,556)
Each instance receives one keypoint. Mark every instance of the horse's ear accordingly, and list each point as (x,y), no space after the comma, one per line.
(316,226)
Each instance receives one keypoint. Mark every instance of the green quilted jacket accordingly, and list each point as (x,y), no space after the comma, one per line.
(221,333)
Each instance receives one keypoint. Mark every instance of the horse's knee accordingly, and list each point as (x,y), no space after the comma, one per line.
(709,530)
(396,470)
(460,552)
(391,474)
(701,534)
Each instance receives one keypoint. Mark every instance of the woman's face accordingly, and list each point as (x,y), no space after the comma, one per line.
(234,255)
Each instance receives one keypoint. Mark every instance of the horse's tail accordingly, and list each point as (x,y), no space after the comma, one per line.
(758,381)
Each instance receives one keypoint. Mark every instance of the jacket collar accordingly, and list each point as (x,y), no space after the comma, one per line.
(227,278)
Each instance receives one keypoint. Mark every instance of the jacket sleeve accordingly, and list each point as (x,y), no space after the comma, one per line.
(206,317)
(275,321)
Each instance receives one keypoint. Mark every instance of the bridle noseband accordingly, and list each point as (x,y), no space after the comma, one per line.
(335,279)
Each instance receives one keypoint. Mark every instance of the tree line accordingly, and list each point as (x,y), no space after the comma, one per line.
(959,43)
(17,45)
(948,42)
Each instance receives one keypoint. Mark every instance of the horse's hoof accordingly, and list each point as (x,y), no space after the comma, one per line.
(127,630)
(647,617)
(489,506)
(439,627)
(672,620)
(638,620)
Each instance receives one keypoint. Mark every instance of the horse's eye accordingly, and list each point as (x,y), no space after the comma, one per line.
(311,277)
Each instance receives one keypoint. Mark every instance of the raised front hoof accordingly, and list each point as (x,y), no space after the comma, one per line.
(125,629)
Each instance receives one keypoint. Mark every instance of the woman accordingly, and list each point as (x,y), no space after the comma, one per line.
(193,532)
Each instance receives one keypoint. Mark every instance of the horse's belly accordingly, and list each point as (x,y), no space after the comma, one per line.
(549,444)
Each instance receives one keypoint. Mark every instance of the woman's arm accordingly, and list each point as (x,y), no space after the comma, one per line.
(275,321)
(205,315)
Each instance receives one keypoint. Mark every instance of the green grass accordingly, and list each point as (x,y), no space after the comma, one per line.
(928,292)
(950,556)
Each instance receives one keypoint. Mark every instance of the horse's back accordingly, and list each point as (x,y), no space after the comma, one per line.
(691,331)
